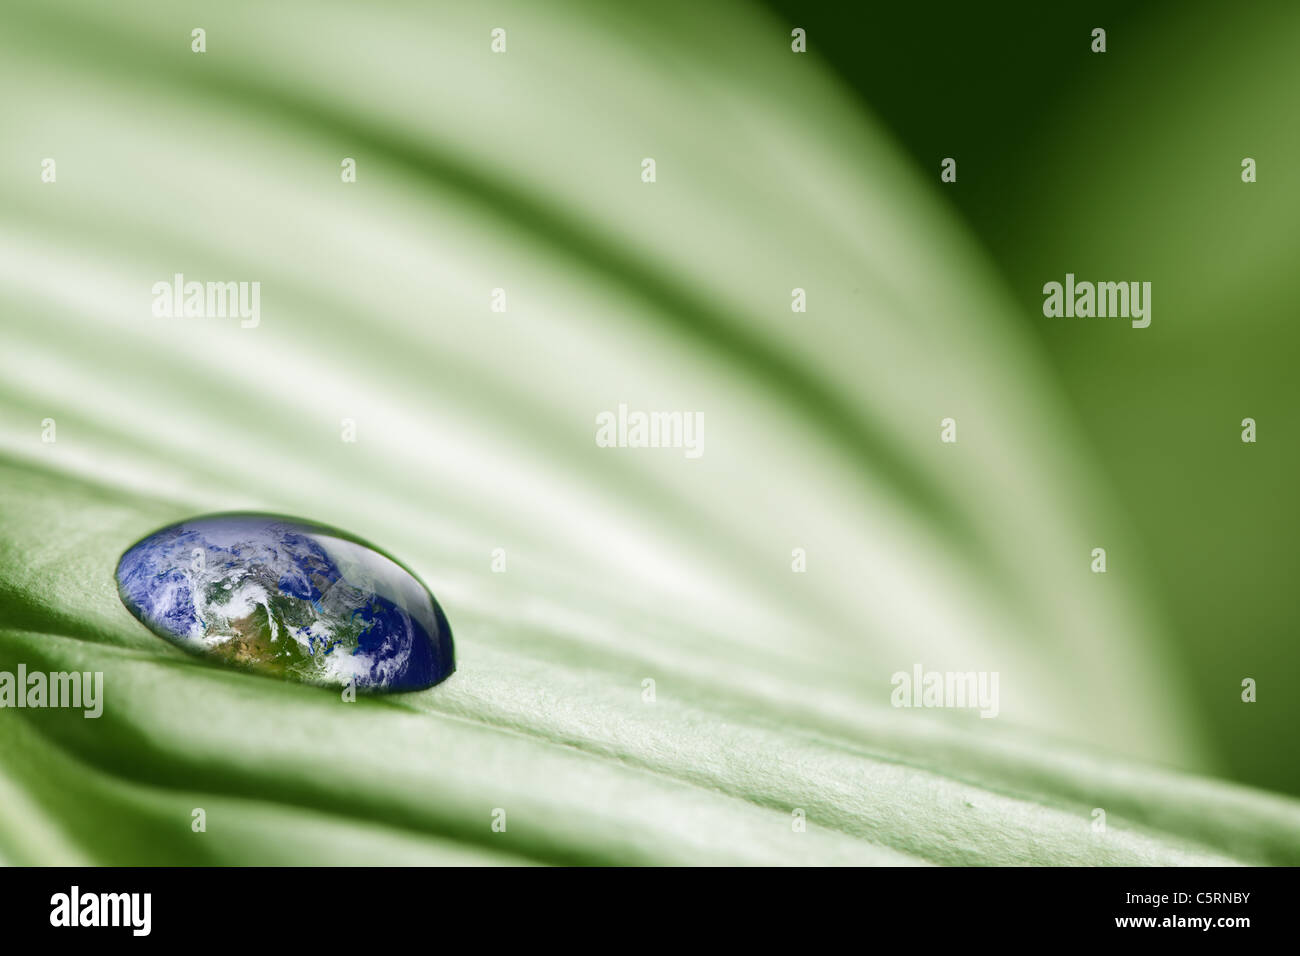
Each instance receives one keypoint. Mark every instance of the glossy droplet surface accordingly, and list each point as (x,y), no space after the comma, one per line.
(288,598)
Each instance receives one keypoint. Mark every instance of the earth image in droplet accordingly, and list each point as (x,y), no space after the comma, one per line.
(288,598)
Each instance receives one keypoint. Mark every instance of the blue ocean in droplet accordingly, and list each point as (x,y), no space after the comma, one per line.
(288,598)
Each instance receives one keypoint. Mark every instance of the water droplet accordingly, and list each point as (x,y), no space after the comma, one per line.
(288,598)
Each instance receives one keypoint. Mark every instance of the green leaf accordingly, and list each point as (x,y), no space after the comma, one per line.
(772,689)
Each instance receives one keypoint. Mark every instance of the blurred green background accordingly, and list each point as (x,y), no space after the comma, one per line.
(1128,165)
(775,171)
